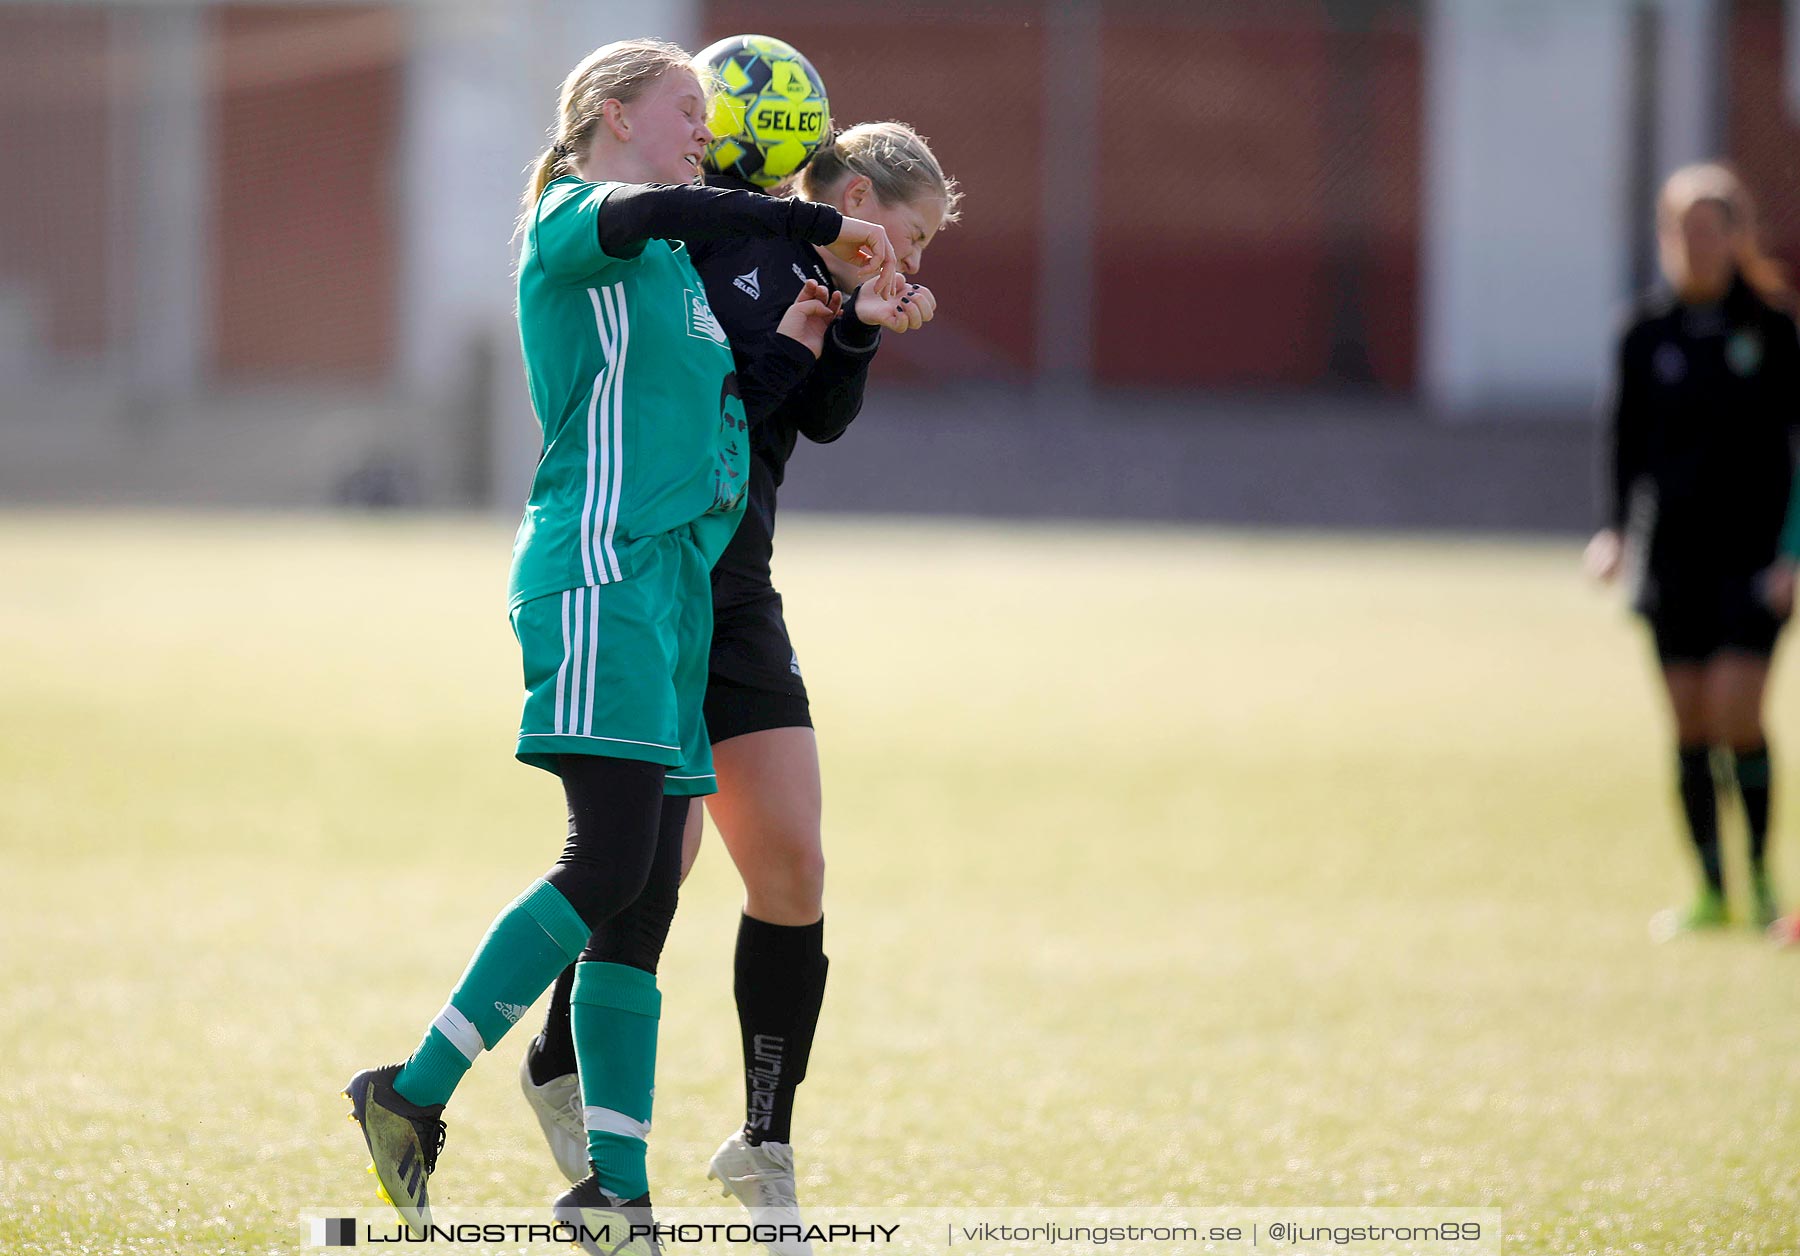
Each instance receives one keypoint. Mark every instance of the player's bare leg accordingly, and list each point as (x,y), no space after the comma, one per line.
(768,813)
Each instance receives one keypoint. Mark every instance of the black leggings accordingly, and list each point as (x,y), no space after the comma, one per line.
(621,866)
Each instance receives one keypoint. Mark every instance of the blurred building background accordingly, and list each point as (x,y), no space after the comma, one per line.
(1291,261)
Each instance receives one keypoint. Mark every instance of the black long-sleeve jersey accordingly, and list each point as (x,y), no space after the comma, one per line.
(638,212)
(1699,447)
(708,216)
(750,284)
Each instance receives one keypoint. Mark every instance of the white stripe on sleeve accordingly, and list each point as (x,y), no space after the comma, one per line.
(622,336)
(596,448)
(583,541)
(600,449)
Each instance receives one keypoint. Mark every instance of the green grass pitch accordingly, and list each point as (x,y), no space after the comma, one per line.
(1166,866)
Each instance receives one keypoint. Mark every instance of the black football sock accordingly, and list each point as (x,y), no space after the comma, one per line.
(552,1052)
(780,985)
(1753,788)
(1699,803)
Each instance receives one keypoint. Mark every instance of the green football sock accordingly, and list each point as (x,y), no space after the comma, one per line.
(614,1011)
(1752,766)
(1699,803)
(529,943)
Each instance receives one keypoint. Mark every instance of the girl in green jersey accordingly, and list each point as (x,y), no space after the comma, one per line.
(638,489)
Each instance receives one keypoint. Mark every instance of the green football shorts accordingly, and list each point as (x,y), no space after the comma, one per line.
(619,670)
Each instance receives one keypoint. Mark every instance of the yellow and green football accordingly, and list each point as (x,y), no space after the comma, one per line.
(770,113)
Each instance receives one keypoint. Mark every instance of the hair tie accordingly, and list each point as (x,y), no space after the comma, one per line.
(561,150)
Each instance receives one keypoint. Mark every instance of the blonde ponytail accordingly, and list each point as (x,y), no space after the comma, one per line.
(544,171)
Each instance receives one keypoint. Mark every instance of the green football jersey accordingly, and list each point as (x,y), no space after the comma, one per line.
(632,380)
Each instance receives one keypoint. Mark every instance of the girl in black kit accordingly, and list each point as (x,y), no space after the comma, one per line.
(1700,461)
(768,809)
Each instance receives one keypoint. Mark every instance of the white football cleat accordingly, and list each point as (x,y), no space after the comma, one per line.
(557,1105)
(762,1178)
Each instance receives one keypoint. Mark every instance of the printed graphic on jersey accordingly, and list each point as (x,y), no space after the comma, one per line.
(702,323)
(794,662)
(748,284)
(729,473)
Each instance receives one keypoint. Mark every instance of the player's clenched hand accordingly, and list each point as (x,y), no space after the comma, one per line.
(1778,587)
(907,311)
(1604,554)
(867,247)
(810,316)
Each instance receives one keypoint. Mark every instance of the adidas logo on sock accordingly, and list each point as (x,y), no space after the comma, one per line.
(512,1011)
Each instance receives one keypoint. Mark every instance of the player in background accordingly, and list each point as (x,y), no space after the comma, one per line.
(768,808)
(1699,466)
(639,488)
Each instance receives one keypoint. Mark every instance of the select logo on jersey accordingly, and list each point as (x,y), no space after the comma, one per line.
(512,1011)
(748,284)
(794,662)
(702,323)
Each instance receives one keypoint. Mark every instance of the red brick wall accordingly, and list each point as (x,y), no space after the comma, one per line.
(56,82)
(1762,135)
(307,123)
(1220,181)
(1217,186)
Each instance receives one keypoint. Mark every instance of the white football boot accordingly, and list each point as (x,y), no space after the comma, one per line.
(557,1104)
(762,1178)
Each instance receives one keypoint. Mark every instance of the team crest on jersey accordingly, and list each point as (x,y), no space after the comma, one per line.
(702,323)
(1744,353)
(748,284)
(1669,363)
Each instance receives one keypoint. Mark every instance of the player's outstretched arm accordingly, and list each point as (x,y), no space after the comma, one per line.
(639,212)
